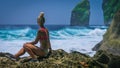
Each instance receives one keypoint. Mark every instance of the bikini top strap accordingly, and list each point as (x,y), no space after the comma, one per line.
(44,29)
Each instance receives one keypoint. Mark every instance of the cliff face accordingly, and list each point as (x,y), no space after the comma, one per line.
(109,48)
(110,7)
(111,41)
(80,14)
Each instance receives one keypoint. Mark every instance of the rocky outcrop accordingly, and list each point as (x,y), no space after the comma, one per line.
(110,7)
(111,41)
(58,58)
(108,50)
(80,14)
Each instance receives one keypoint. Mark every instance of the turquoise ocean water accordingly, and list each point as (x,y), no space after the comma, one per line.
(82,39)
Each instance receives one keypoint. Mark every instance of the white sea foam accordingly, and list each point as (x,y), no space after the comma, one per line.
(79,39)
(97,32)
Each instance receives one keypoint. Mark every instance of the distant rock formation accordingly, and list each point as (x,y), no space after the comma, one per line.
(110,7)
(80,14)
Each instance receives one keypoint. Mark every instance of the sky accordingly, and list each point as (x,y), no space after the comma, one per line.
(96,12)
(26,11)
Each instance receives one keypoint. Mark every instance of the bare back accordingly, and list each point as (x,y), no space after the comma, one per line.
(44,38)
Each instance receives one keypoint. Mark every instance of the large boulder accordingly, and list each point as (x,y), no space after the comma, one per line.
(108,50)
(111,39)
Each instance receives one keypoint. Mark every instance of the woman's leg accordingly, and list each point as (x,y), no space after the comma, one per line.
(21,52)
(28,49)
(33,50)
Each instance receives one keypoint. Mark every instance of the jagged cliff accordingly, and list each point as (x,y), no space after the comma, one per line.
(111,41)
(110,7)
(109,48)
(80,14)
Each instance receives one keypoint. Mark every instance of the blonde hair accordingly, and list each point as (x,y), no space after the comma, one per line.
(41,17)
(41,14)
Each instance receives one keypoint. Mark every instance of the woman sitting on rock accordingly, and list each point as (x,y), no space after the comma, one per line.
(42,37)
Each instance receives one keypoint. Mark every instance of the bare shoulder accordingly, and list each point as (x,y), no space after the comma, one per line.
(47,30)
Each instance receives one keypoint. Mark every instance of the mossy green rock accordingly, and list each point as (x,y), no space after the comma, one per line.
(110,7)
(58,59)
(111,41)
(80,14)
(109,48)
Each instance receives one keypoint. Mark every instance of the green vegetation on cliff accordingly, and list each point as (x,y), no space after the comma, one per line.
(108,50)
(112,36)
(110,7)
(80,14)
(79,7)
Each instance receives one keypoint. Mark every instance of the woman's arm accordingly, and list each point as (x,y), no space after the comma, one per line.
(49,41)
(36,39)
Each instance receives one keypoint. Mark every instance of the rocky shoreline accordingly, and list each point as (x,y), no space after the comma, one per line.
(58,59)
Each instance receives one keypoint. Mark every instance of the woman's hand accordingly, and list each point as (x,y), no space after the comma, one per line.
(50,50)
